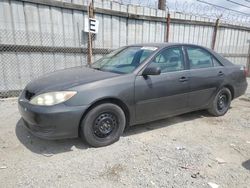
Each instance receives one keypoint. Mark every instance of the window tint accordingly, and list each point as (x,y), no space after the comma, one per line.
(199,58)
(169,60)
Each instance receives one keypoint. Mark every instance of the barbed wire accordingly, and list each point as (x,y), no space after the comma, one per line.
(197,8)
(208,10)
(144,3)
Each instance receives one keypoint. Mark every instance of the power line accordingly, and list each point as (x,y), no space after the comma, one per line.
(211,4)
(238,3)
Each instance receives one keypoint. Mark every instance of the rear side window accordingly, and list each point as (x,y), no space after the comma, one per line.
(199,58)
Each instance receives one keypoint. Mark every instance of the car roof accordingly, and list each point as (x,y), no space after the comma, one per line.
(164,44)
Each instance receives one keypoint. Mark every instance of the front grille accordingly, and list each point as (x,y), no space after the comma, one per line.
(29,95)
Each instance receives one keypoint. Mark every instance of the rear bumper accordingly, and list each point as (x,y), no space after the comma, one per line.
(51,122)
(240,89)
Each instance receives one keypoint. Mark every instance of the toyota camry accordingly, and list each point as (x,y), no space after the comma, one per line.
(132,85)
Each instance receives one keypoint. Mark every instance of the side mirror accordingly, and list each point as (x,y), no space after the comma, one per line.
(151,71)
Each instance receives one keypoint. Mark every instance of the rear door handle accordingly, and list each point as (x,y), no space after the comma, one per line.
(220,73)
(183,79)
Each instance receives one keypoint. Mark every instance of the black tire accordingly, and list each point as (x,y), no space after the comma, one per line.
(103,125)
(221,102)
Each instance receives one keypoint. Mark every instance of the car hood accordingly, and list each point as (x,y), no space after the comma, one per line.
(67,78)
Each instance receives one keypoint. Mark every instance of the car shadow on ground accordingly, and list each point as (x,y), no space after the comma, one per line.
(52,147)
(246,164)
(46,147)
(165,122)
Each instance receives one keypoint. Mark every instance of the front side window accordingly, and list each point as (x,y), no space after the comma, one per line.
(124,60)
(169,60)
(199,58)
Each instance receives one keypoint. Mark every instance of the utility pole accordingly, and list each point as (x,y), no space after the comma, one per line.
(162,4)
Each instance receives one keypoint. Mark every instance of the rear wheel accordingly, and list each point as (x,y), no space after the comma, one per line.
(221,102)
(103,125)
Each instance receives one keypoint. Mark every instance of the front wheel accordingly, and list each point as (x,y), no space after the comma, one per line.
(221,102)
(103,125)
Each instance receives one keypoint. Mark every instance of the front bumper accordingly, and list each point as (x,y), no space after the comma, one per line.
(51,122)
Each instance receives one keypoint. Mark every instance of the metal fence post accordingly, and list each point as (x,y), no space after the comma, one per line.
(215,33)
(168,25)
(248,59)
(90,42)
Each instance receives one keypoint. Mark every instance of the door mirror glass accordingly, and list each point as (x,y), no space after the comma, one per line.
(151,70)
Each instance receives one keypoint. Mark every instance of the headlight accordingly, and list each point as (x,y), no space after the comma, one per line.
(52,98)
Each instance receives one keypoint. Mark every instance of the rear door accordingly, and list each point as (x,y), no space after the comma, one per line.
(206,76)
(161,95)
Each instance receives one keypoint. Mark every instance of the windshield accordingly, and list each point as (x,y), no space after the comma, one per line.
(124,60)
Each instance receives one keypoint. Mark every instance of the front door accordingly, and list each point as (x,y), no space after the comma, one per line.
(161,95)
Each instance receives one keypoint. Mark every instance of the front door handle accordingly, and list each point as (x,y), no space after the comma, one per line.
(183,79)
(220,73)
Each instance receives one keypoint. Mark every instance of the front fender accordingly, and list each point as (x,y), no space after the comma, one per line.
(120,88)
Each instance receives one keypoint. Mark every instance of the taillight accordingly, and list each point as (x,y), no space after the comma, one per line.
(245,71)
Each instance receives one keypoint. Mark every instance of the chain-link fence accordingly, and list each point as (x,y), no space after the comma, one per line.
(25,56)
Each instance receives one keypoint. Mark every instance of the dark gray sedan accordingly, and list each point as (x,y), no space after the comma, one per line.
(134,84)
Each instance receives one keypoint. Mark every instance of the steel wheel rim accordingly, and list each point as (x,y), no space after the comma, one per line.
(105,124)
(222,102)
